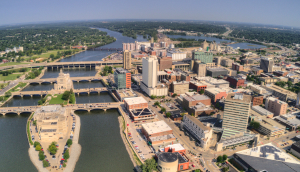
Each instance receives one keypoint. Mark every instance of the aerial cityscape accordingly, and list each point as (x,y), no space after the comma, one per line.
(133,91)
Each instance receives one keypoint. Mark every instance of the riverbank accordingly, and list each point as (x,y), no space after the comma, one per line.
(75,148)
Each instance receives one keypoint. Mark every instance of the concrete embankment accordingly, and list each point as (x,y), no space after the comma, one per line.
(75,148)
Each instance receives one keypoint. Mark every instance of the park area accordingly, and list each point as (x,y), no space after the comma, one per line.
(67,97)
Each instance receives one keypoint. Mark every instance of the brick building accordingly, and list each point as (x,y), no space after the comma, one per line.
(216,94)
(237,66)
(158,132)
(236,82)
(165,63)
(192,100)
(276,106)
(257,100)
(198,86)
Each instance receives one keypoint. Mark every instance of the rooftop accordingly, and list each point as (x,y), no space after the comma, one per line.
(215,69)
(167,156)
(135,100)
(198,123)
(141,112)
(261,110)
(120,70)
(239,97)
(269,158)
(197,97)
(156,127)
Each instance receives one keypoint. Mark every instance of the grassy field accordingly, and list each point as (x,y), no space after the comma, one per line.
(12,63)
(9,77)
(43,55)
(57,100)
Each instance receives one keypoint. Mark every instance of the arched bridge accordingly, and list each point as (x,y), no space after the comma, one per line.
(74,79)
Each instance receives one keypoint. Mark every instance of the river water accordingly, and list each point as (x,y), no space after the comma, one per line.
(91,55)
(242,45)
(102,146)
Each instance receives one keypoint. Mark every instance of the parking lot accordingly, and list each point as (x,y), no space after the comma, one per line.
(138,141)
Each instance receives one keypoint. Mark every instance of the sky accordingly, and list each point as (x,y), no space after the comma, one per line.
(276,12)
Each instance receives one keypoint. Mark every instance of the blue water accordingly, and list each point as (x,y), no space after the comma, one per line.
(243,45)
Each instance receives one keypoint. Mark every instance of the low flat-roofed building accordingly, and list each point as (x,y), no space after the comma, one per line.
(138,78)
(269,127)
(258,89)
(201,132)
(180,87)
(295,149)
(158,132)
(124,94)
(135,103)
(51,122)
(276,106)
(199,85)
(216,94)
(172,161)
(289,120)
(268,80)
(215,72)
(218,83)
(200,109)
(266,158)
(281,93)
(192,100)
(141,114)
(257,99)
(262,111)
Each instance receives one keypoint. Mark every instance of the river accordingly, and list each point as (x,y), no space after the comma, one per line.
(242,45)
(91,55)
(102,146)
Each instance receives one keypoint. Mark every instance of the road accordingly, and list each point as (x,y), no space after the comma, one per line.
(12,84)
(227,32)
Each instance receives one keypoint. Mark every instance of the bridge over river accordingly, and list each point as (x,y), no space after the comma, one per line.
(44,93)
(76,79)
(76,107)
(58,65)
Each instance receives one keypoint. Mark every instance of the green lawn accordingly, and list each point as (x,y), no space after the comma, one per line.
(9,77)
(43,55)
(12,63)
(57,100)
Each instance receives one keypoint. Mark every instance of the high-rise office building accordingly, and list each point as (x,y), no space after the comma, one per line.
(266,64)
(204,57)
(236,114)
(126,59)
(150,71)
(122,78)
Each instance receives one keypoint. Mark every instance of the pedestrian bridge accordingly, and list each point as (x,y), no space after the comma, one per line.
(44,93)
(76,107)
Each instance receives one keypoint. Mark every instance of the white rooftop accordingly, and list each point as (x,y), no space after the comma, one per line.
(156,127)
(135,100)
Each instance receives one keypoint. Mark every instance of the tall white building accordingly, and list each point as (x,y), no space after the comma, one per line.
(150,64)
(149,83)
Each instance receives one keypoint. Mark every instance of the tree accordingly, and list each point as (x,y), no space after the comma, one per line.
(149,165)
(168,114)
(66,95)
(174,95)
(152,96)
(7,94)
(45,163)
(220,158)
(41,155)
(38,148)
(67,155)
(52,148)
(69,142)
(255,125)
(225,169)
(36,143)
(163,109)
(201,91)
(192,114)
(64,164)
(34,122)
(156,103)
(289,83)
(224,157)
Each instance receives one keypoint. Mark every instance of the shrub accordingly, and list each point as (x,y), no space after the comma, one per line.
(64,164)
(168,114)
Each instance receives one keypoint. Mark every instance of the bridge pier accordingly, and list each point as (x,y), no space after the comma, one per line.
(31,95)
(77,80)
(19,113)
(89,110)
(104,110)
